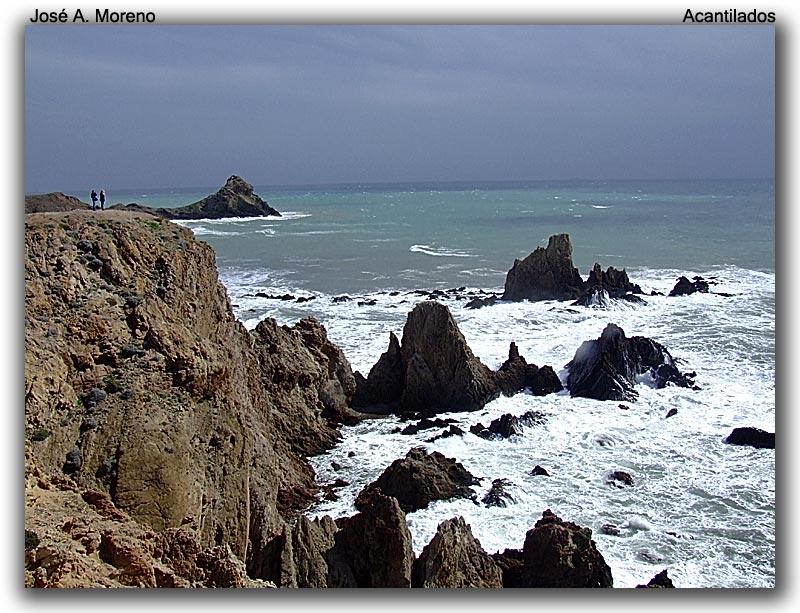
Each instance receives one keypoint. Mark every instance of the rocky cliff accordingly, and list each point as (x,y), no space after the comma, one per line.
(141,386)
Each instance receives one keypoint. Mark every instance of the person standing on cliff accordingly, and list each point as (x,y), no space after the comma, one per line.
(102,200)
(94,200)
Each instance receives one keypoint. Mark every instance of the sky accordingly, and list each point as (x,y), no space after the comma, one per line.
(187,106)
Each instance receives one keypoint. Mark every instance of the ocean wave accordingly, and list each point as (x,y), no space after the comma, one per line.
(440,251)
(285,216)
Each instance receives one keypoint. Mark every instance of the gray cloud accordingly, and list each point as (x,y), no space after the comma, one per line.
(189,105)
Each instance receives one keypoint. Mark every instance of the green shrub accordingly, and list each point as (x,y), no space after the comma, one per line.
(40,434)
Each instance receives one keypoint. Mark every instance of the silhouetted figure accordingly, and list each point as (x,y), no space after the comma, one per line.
(102,200)
(94,200)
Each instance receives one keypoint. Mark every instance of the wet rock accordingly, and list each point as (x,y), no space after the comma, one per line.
(754,437)
(684,287)
(384,385)
(451,431)
(661,580)
(601,287)
(539,471)
(508,425)
(606,368)
(426,424)
(433,369)
(671,413)
(498,495)
(545,274)
(542,380)
(455,559)
(419,478)
(479,303)
(610,529)
(619,478)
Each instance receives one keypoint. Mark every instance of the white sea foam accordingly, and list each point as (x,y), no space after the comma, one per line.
(679,514)
(440,251)
(698,507)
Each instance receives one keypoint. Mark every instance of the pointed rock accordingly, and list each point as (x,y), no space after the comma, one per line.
(546,274)
(454,559)
(562,554)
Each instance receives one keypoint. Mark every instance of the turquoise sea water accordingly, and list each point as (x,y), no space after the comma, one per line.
(700,508)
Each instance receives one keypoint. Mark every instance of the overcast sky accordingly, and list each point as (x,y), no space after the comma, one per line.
(187,106)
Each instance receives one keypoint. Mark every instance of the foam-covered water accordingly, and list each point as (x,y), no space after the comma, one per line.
(698,507)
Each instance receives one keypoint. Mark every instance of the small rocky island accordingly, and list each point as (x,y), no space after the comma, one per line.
(234,199)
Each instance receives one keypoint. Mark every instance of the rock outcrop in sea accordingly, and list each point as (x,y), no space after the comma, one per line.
(752,437)
(455,559)
(549,274)
(545,274)
(433,369)
(606,368)
(556,553)
(420,478)
(611,284)
(234,199)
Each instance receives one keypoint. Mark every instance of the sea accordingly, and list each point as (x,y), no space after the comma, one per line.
(698,507)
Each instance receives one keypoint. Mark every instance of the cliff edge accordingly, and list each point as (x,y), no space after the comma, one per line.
(145,397)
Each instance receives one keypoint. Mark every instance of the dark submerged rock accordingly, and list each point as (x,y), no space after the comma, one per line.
(498,495)
(754,437)
(619,478)
(508,425)
(684,287)
(539,471)
(661,580)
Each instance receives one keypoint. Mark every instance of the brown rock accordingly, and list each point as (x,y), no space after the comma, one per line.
(562,554)
(433,370)
(372,548)
(454,559)
(383,387)
(545,274)
(195,420)
(234,199)
(53,202)
(419,479)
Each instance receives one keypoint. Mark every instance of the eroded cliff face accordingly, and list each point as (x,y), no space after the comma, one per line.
(140,384)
